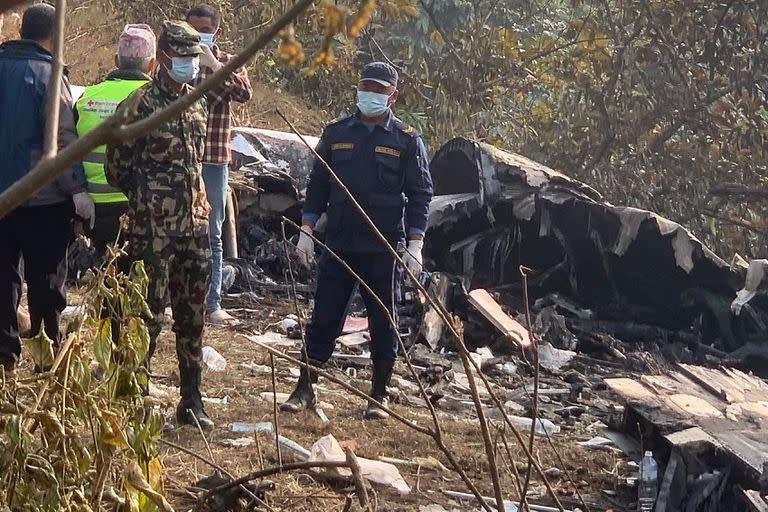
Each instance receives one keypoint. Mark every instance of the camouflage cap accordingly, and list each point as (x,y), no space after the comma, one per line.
(181,37)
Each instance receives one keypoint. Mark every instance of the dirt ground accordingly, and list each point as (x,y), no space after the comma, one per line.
(591,470)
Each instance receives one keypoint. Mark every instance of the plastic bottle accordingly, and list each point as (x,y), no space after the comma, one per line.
(647,485)
(213,359)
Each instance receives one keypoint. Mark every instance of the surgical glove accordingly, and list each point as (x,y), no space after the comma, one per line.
(208,60)
(306,246)
(84,207)
(412,257)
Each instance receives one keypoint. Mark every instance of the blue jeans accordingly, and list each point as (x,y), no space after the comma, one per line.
(215,177)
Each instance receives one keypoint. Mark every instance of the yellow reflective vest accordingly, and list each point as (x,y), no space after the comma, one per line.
(97,103)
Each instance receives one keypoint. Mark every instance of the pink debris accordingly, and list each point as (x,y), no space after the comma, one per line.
(490,309)
(355,324)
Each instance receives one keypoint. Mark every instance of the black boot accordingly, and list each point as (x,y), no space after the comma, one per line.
(382,372)
(303,397)
(190,407)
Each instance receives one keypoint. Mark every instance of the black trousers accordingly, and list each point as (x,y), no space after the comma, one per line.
(40,235)
(335,288)
(107,225)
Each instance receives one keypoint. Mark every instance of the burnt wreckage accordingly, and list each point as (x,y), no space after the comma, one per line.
(626,272)
(643,277)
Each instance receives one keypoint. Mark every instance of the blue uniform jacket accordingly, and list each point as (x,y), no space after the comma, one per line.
(387,171)
(25,69)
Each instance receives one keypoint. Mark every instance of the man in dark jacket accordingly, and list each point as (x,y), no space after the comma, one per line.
(384,164)
(40,230)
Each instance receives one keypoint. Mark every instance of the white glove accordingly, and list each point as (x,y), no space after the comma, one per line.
(84,207)
(306,246)
(208,60)
(412,257)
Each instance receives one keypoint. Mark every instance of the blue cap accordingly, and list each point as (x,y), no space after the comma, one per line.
(380,72)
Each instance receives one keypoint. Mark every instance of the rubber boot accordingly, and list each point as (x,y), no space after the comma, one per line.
(303,396)
(382,372)
(190,407)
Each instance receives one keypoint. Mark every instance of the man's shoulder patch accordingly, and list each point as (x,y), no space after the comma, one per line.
(340,119)
(342,145)
(406,129)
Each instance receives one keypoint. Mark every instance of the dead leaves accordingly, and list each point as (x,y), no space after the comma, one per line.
(342,22)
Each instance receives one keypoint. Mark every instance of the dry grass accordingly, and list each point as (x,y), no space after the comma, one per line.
(370,439)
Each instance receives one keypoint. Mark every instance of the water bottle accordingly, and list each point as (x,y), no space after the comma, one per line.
(213,359)
(646,486)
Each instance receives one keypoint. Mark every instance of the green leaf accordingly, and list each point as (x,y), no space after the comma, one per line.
(40,349)
(12,429)
(102,344)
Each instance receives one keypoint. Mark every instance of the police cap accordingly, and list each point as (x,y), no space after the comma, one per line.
(380,72)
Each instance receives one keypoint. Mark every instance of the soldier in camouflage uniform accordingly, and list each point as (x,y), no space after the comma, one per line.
(161,174)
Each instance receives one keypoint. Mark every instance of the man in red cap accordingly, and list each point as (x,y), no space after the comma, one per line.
(134,61)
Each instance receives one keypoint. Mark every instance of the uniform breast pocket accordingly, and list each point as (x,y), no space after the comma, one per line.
(389,172)
(341,158)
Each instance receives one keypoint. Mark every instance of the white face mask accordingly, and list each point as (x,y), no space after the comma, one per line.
(206,39)
(183,69)
(372,104)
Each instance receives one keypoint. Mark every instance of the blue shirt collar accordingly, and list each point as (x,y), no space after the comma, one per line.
(387,123)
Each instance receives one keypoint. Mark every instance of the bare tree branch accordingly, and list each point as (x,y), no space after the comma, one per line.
(112,129)
(53,101)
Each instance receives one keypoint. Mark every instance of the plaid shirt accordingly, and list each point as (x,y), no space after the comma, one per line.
(236,87)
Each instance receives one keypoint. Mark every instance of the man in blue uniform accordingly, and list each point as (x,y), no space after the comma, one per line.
(384,164)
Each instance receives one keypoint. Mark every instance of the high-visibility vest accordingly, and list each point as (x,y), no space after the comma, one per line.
(97,103)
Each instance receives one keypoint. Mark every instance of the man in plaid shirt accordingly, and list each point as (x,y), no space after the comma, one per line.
(206,20)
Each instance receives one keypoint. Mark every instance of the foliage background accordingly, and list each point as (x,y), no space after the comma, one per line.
(658,104)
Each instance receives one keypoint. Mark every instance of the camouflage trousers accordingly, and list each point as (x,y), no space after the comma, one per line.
(178,265)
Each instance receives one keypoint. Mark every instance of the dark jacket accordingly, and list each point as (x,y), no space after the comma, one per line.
(387,170)
(25,68)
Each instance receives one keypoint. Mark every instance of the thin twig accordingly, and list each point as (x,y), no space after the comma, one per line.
(53,101)
(295,296)
(199,457)
(360,488)
(51,375)
(535,406)
(444,315)
(534,397)
(436,435)
(463,351)
(211,463)
(202,434)
(515,472)
(410,424)
(275,418)
(390,319)
(291,466)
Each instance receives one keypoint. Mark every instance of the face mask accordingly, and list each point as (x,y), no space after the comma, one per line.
(372,104)
(206,39)
(184,69)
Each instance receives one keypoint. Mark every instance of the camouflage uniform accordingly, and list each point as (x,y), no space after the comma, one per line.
(161,174)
